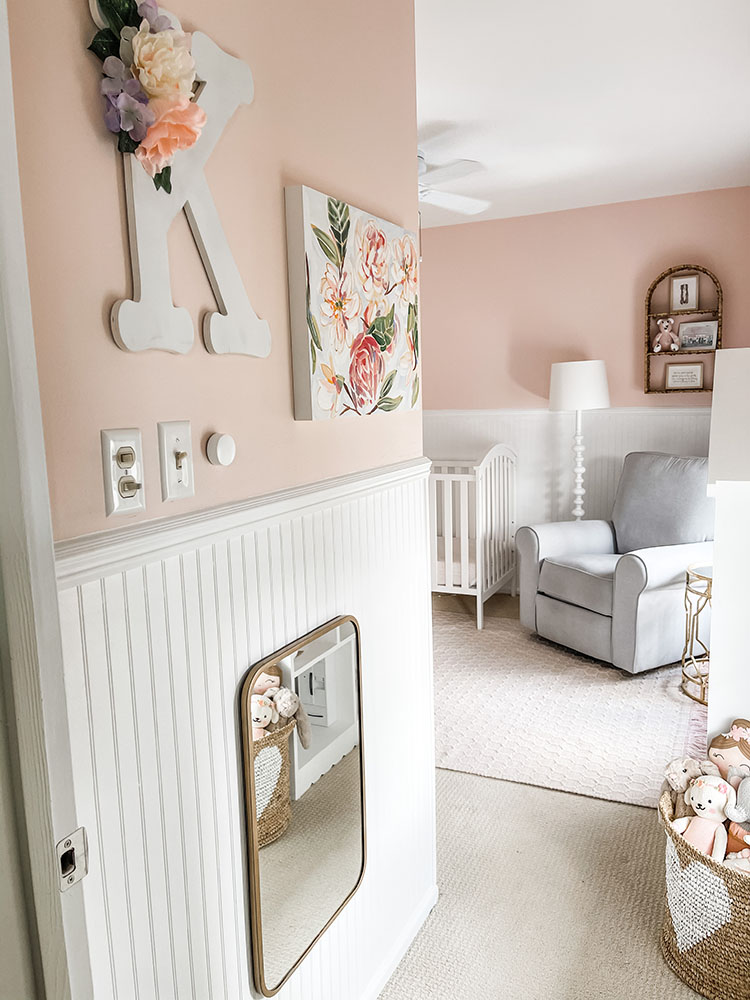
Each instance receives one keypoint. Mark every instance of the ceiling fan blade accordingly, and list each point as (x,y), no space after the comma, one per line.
(450,172)
(453,202)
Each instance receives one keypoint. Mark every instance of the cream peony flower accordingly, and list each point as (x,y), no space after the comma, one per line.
(162,62)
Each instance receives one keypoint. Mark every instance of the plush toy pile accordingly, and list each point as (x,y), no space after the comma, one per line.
(274,706)
(711,798)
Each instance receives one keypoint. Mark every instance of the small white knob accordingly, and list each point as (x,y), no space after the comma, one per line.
(221,449)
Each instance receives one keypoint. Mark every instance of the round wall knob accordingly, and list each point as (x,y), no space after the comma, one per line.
(221,449)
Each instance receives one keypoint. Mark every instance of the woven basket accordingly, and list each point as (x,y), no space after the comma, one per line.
(273,808)
(706,934)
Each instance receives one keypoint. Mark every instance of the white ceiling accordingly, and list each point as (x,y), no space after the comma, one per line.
(569,103)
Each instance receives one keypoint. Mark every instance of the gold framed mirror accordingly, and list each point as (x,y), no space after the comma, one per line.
(304,794)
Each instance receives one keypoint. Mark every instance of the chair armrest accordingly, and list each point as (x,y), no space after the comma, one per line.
(538,542)
(660,566)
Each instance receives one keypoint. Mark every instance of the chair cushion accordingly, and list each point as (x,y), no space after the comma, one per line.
(586,581)
(662,500)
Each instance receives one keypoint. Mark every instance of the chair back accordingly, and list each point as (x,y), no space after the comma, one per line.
(662,500)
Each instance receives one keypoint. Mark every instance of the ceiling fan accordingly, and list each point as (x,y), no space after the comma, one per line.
(431,177)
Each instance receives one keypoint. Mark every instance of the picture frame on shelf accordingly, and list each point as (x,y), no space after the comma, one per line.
(683,376)
(684,292)
(699,336)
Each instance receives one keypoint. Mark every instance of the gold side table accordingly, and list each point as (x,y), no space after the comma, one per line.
(696,655)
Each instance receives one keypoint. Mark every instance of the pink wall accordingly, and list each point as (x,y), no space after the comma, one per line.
(502,300)
(350,133)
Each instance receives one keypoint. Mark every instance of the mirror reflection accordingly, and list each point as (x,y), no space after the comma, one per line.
(305,794)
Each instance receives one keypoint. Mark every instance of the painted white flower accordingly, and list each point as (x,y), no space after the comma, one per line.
(162,62)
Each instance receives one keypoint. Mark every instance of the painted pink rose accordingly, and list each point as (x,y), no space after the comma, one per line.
(405,267)
(366,371)
(178,126)
(372,260)
(340,305)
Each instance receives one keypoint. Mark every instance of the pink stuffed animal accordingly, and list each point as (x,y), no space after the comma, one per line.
(262,712)
(710,796)
(666,339)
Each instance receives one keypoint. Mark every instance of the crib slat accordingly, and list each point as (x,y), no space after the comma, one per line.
(433,530)
(463,502)
(448,530)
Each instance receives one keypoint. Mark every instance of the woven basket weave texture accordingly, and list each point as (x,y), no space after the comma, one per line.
(272,796)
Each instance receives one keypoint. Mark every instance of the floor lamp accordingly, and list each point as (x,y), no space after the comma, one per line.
(578,386)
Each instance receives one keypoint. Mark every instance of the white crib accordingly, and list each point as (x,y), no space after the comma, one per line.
(473,524)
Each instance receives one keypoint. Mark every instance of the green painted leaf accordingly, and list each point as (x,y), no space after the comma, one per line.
(327,245)
(412,326)
(313,355)
(382,329)
(127,145)
(105,43)
(387,383)
(415,391)
(119,14)
(338,217)
(389,403)
(312,325)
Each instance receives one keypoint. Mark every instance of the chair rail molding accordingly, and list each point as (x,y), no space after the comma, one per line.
(542,440)
(160,623)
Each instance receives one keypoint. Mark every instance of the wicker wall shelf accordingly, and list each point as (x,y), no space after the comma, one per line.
(654,374)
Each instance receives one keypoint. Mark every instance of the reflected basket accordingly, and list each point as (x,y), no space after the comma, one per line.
(273,807)
(706,932)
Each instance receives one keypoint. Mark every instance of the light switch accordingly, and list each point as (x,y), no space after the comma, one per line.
(122,464)
(176,459)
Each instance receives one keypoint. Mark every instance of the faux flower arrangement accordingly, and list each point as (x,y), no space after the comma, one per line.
(148,85)
(360,289)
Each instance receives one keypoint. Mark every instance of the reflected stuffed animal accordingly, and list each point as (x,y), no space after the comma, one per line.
(666,339)
(262,712)
(289,707)
(709,797)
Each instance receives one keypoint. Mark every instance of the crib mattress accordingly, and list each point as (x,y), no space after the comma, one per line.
(454,579)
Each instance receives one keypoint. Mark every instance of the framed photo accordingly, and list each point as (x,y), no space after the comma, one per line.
(700,336)
(684,376)
(684,292)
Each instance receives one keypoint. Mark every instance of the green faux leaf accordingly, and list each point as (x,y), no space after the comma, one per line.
(382,329)
(389,403)
(313,355)
(338,217)
(125,144)
(327,245)
(415,391)
(105,43)
(387,383)
(120,14)
(163,180)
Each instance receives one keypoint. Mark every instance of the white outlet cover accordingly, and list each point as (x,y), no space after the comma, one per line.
(112,441)
(175,437)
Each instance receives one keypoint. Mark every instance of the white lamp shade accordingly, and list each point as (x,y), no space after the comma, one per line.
(578,385)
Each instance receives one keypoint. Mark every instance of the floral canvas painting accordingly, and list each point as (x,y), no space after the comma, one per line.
(353,293)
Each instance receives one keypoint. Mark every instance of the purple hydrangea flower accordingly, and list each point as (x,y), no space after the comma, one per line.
(150,10)
(126,105)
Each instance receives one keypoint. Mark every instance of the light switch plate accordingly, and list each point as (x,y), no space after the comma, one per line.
(176,459)
(115,473)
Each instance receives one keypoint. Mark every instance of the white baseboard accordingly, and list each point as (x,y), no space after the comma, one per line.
(392,961)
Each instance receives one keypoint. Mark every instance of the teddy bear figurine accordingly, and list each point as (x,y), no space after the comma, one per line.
(666,339)
(710,796)
(262,712)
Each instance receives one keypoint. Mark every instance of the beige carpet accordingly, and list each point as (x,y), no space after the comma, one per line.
(511,705)
(543,896)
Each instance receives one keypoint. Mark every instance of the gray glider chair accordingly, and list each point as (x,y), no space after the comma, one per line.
(615,589)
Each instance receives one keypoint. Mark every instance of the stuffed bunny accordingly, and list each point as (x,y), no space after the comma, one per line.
(666,339)
(262,712)
(679,773)
(710,796)
(290,707)
(739,814)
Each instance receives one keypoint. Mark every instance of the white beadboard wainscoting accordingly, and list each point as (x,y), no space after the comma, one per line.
(543,441)
(160,622)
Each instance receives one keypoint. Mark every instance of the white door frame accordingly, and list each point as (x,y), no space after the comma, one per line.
(27,565)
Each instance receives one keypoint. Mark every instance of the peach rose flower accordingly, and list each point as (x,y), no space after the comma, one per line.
(372,260)
(405,263)
(366,371)
(178,126)
(162,62)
